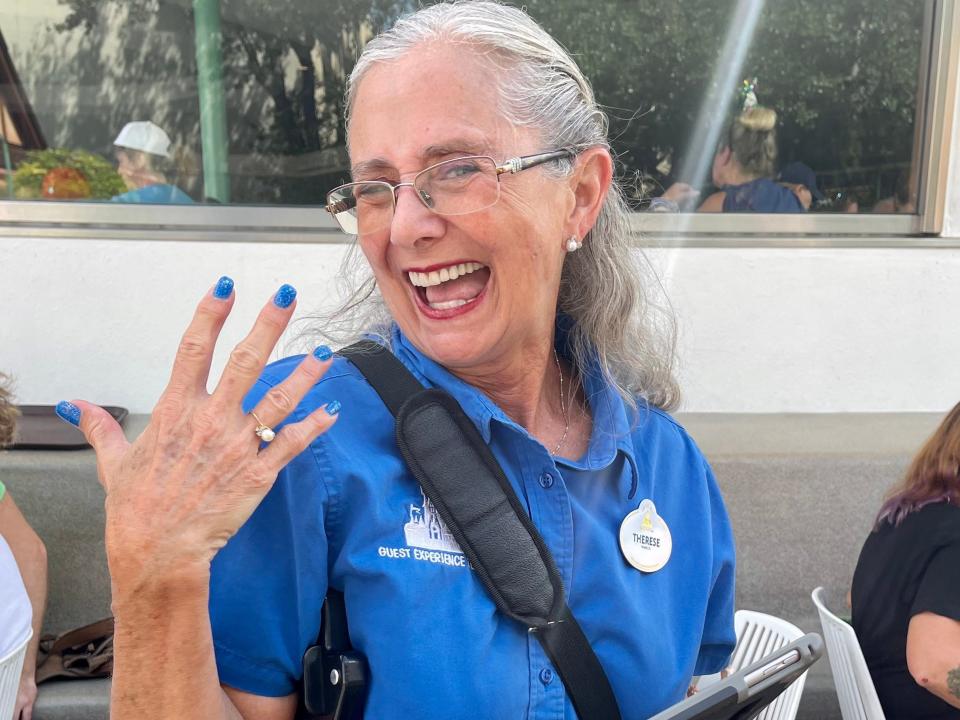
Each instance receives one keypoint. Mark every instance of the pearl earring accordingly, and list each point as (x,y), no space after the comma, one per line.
(573,244)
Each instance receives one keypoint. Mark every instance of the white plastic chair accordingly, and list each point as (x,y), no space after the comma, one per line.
(855,690)
(758,635)
(10,667)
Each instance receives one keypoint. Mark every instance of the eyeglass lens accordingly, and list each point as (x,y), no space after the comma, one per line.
(453,187)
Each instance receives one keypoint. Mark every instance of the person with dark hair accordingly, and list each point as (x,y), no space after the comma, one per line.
(23,574)
(800,179)
(906,588)
(744,167)
(904,198)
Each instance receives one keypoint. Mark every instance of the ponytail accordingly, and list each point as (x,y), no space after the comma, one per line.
(753,140)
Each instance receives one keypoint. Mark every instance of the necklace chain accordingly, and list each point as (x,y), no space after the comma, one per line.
(563,406)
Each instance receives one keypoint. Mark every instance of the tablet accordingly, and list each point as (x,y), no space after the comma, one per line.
(39,428)
(744,694)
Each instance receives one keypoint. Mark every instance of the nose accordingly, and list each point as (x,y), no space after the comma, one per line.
(413,222)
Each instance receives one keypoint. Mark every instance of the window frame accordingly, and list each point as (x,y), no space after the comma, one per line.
(940,66)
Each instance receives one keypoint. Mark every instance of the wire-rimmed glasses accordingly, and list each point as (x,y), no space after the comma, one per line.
(453,187)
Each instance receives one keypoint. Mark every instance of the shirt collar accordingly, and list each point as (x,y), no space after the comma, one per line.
(611,419)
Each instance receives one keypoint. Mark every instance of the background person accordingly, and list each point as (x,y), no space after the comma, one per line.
(513,286)
(800,179)
(144,162)
(906,588)
(744,167)
(23,574)
(904,198)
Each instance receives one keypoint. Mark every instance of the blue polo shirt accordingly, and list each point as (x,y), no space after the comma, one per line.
(347,514)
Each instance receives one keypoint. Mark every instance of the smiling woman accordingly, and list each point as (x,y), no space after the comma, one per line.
(485,208)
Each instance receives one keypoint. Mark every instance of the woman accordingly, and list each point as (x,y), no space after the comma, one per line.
(744,168)
(517,293)
(144,162)
(906,588)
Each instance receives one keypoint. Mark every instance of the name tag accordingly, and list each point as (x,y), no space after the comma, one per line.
(645,539)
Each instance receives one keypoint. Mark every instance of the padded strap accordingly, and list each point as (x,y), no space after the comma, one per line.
(392,381)
(460,475)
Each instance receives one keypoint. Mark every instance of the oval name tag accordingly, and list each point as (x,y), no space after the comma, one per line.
(645,539)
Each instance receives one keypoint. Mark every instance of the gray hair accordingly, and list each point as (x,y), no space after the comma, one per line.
(615,302)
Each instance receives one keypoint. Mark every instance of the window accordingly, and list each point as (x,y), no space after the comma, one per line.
(218,102)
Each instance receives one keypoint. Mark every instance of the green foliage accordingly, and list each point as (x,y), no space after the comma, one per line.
(100,174)
(843,76)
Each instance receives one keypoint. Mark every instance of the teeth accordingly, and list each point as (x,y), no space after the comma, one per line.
(449,304)
(448,273)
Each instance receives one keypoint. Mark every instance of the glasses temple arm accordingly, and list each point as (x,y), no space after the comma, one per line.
(516,164)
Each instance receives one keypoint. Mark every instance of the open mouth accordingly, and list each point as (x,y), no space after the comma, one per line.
(452,287)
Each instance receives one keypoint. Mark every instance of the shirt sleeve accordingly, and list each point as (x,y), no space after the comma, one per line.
(939,589)
(719,636)
(269,581)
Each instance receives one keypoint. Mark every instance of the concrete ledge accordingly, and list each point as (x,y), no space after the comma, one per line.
(802,491)
(73,700)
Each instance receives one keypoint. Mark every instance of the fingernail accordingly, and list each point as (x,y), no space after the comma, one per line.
(69,412)
(285,295)
(333,407)
(323,353)
(224,288)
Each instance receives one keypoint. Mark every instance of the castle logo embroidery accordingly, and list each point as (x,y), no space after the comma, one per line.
(427,530)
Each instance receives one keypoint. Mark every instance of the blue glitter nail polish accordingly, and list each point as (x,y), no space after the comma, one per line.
(323,353)
(285,296)
(224,288)
(333,407)
(69,412)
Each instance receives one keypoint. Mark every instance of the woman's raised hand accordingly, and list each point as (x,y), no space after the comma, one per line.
(197,472)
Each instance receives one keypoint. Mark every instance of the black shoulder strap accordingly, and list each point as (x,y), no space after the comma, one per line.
(467,486)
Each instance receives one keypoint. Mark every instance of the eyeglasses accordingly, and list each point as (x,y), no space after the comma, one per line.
(452,187)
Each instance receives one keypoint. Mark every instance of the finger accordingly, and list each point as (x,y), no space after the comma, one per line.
(191,366)
(280,401)
(294,438)
(249,357)
(100,429)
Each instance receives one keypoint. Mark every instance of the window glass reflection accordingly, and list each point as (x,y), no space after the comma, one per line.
(238,101)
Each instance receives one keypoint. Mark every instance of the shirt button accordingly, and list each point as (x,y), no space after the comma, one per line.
(546,676)
(546,481)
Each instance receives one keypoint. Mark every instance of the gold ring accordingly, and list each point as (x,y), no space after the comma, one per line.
(264,432)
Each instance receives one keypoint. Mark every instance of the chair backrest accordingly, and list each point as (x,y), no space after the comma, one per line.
(10,667)
(855,690)
(758,635)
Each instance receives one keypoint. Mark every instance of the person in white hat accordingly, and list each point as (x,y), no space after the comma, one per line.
(144,161)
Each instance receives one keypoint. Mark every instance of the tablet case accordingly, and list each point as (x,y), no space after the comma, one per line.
(39,428)
(732,699)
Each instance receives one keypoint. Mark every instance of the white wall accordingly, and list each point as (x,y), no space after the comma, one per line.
(763,330)
(817,330)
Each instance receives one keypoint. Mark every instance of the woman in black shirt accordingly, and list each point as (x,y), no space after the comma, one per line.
(906,588)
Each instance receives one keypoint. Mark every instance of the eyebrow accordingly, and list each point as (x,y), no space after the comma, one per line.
(470,147)
(370,167)
(430,153)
